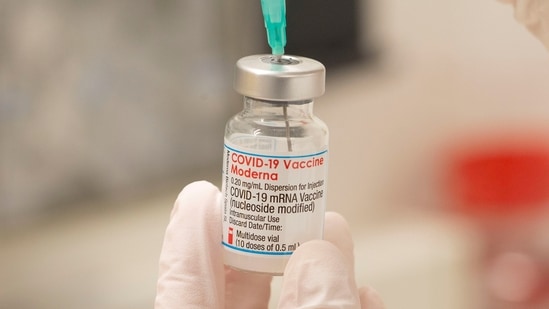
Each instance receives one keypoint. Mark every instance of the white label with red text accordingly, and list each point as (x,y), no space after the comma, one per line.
(272,203)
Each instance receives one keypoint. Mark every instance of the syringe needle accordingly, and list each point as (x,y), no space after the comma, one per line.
(288,139)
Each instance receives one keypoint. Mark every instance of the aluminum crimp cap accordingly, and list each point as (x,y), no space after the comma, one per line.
(279,78)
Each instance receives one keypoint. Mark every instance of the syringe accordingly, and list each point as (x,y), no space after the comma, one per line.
(274,14)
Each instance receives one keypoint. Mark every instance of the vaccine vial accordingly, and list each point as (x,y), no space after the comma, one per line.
(275,163)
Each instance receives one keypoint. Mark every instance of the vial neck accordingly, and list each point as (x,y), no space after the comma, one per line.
(292,108)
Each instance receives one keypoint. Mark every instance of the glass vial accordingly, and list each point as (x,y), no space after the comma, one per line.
(275,163)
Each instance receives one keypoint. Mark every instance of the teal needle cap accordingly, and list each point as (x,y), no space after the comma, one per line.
(274,14)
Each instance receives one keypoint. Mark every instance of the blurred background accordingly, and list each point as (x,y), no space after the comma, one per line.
(438,113)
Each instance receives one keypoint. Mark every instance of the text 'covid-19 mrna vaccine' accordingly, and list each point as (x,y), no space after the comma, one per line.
(275,163)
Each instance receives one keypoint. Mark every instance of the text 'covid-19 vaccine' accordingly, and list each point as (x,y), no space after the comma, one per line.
(275,163)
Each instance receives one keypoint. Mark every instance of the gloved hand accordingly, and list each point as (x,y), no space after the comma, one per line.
(534,14)
(319,274)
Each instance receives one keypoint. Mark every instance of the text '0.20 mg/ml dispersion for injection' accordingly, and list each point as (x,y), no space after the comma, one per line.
(275,163)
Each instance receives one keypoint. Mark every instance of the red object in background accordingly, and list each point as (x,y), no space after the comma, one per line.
(503,178)
(501,184)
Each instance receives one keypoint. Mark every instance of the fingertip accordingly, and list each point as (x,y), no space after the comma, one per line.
(336,216)
(194,191)
(197,197)
(338,232)
(200,185)
(335,225)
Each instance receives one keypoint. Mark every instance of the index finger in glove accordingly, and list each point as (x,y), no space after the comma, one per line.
(191,273)
(320,274)
(337,231)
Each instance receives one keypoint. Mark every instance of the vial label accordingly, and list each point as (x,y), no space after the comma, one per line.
(272,203)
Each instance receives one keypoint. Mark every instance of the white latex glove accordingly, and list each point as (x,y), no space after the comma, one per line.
(320,274)
(534,14)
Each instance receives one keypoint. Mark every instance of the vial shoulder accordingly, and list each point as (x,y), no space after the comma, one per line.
(266,126)
(305,134)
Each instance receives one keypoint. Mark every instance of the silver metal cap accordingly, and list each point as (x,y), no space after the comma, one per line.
(279,78)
